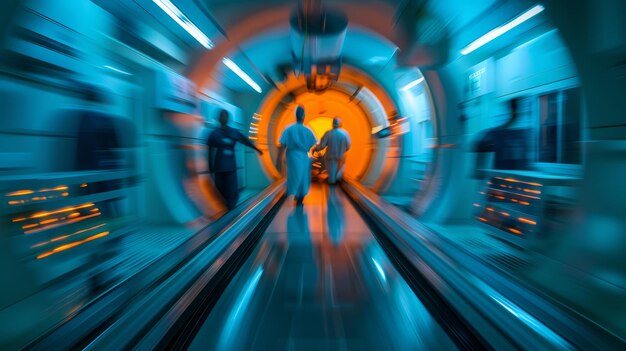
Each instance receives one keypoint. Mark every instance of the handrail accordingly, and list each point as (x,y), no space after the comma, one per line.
(105,312)
(509,314)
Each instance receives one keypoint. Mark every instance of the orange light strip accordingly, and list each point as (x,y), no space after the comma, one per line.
(532,191)
(21,219)
(58,188)
(528,221)
(20,192)
(482,219)
(84,185)
(66,209)
(515,231)
(59,238)
(71,245)
(505,214)
(75,220)
(48,221)
(513,180)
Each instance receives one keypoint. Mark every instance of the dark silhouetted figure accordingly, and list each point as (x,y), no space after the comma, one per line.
(222,161)
(509,145)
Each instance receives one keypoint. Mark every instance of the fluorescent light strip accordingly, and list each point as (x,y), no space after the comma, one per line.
(502,29)
(184,22)
(412,84)
(246,78)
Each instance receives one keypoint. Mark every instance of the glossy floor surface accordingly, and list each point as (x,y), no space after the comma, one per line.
(318,280)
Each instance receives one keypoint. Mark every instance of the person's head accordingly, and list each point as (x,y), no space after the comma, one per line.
(299,114)
(336,122)
(223,118)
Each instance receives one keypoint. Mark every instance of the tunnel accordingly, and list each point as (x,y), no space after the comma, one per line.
(478,205)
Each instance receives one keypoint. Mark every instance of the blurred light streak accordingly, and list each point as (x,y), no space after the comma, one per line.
(66,209)
(528,221)
(230,328)
(380,270)
(494,33)
(184,22)
(243,75)
(515,231)
(118,70)
(531,322)
(412,84)
(75,220)
(20,192)
(65,236)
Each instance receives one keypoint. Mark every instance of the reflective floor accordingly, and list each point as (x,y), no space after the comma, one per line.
(318,280)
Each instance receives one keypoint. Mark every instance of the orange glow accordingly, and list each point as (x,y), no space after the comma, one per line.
(501,197)
(18,219)
(532,191)
(28,226)
(515,231)
(505,214)
(524,220)
(16,202)
(489,209)
(71,245)
(482,219)
(65,194)
(524,203)
(94,210)
(39,198)
(84,185)
(73,215)
(20,192)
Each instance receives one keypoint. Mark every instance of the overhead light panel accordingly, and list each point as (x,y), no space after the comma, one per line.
(246,78)
(412,84)
(502,29)
(183,21)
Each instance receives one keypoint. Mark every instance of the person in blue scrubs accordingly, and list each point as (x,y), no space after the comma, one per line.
(222,161)
(296,141)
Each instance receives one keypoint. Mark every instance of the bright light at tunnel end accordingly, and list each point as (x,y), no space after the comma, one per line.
(184,22)
(246,78)
(493,34)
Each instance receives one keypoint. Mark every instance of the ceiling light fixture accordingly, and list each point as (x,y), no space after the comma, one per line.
(412,84)
(184,22)
(246,78)
(502,29)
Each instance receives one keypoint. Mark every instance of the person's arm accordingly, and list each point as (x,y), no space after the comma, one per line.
(279,158)
(323,143)
(248,143)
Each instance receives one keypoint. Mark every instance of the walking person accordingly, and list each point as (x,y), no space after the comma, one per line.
(296,141)
(222,161)
(337,143)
